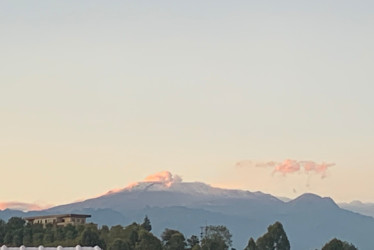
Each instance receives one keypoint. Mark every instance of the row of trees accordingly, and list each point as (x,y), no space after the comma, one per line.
(276,239)
(139,237)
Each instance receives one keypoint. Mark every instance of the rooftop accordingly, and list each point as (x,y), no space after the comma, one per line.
(58,216)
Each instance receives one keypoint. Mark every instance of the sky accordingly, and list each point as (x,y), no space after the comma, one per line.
(272,96)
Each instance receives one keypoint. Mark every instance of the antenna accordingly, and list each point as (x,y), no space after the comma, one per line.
(202,232)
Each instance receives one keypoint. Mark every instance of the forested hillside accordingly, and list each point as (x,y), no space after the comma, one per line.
(17,232)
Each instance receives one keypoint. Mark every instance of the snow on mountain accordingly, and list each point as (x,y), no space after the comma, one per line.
(165,190)
(166,182)
(309,220)
(190,188)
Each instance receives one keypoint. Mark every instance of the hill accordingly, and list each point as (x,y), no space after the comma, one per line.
(309,220)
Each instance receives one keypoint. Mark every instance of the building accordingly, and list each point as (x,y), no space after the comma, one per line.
(59,219)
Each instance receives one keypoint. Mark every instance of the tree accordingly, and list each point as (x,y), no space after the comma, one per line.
(90,238)
(119,244)
(193,241)
(37,239)
(59,233)
(18,237)
(274,239)
(217,238)
(148,241)
(48,234)
(15,223)
(196,247)
(173,240)
(104,235)
(27,235)
(8,238)
(336,244)
(251,245)
(116,232)
(131,234)
(70,232)
(147,224)
(2,231)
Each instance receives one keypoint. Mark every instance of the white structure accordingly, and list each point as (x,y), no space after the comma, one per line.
(50,248)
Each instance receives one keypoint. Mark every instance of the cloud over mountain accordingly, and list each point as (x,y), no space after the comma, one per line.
(290,166)
(164,177)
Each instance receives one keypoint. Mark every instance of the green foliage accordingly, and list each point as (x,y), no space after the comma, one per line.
(2,230)
(116,232)
(147,241)
(119,244)
(15,233)
(217,238)
(17,237)
(274,239)
(336,244)
(251,245)
(8,239)
(90,237)
(37,239)
(196,247)
(27,235)
(147,224)
(70,232)
(193,241)
(173,240)
(59,234)
(15,223)
(48,237)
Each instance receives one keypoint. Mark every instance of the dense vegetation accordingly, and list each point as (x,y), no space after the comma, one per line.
(139,237)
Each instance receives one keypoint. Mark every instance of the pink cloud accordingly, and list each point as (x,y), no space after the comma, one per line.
(164,177)
(21,206)
(287,167)
(310,166)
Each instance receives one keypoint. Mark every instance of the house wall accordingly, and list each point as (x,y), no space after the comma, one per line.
(46,220)
(62,221)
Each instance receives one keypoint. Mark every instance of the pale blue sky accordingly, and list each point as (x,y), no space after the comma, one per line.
(94,94)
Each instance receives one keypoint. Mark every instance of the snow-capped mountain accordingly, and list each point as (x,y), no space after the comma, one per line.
(309,220)
(161,194)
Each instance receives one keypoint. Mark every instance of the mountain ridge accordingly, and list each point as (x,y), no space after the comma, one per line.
(309,220)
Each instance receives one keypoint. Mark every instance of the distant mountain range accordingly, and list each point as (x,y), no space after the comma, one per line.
(309,220)
(359,207)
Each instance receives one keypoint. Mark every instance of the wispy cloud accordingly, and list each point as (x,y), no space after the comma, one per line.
(310,166)
(289,166)
(164,177)
(21,206)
